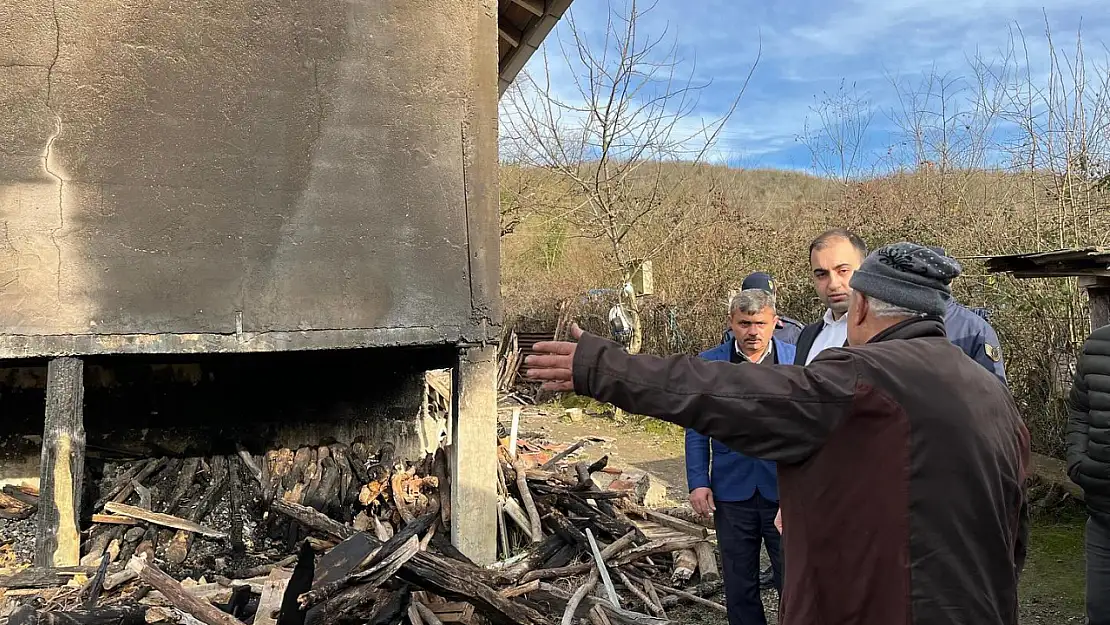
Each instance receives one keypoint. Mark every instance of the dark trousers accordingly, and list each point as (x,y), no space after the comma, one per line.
(1098,569)
(742,526)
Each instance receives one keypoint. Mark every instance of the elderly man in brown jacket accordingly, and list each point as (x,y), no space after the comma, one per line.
(901,460)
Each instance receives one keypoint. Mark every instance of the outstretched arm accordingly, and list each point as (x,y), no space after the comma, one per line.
(776,412)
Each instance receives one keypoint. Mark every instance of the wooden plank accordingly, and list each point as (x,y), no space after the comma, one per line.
(269,604)
(679,525)
(62,469)
(601,568)
(535,7)
(165,520)
(113,519)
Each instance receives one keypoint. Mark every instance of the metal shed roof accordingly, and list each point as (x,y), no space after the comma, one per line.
(522,25)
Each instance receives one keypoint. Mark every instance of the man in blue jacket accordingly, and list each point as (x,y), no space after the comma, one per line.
(968,329)
(787,330)
(741,492)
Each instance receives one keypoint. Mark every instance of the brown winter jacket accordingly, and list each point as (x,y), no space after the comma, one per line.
(901,469)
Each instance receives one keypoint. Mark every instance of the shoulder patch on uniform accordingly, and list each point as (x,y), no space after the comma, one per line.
(993,352)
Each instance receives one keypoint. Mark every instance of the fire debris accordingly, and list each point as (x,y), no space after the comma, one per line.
(338,534)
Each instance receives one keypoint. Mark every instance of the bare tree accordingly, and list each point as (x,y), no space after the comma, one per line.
(613,139)
(835,135)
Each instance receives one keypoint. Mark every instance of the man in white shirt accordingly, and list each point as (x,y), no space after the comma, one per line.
(833,258)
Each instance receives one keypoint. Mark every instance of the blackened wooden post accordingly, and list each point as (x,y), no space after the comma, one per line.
(57,537)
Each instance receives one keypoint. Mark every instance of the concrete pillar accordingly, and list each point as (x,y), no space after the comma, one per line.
(474,454)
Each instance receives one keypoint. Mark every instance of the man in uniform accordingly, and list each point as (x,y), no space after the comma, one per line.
(901,462)
(969,329)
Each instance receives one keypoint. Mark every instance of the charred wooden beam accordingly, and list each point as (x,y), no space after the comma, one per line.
(202,610)
(97,584)
(164,520)
(235,508)
(121,614)
(178,548)
(37,577)
(185,479)
(299,582)
(563,454)
(21,496)
(62,468)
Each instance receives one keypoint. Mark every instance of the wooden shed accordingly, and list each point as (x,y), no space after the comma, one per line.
(1091,265)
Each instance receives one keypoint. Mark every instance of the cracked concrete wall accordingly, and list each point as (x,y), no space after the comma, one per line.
(312,164)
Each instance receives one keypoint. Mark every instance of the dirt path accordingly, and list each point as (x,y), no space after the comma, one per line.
(1052,584)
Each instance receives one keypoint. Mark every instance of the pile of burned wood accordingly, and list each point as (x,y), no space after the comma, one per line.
(336,534)
(18,502)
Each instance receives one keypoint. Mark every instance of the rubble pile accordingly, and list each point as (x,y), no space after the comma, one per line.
(346,534)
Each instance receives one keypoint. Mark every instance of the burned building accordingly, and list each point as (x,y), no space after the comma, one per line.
(233,222)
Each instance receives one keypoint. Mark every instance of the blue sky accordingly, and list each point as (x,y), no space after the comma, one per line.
(810,47)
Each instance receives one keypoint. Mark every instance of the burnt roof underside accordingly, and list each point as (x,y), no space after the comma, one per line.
(522,26)
(1087,261)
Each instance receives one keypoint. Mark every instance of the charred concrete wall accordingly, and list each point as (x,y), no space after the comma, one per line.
(196,167)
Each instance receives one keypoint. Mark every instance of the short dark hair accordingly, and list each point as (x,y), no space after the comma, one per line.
(827,236)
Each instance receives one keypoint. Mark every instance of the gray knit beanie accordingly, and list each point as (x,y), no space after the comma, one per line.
(907,275)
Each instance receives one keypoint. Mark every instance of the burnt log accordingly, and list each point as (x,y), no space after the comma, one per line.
(97,583)
(120,614)
(375,575)
(179,546)
(49,577)
(185,479)
(123,480)
(563,454)
(393,610)
(454,580)
(236,513)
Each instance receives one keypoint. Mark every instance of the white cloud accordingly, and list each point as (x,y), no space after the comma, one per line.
(809,46)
